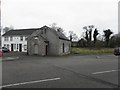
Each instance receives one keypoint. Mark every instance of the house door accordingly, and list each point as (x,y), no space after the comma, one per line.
(36,49)
(63,48)
(20,47)
(11,47)
(46,49)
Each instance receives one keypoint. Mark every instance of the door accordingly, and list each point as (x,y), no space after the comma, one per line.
(46,49)
(63,48)
(35,49)
(20,47)
(11,47)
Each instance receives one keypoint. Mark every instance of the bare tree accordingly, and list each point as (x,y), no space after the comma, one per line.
(90,32)
(72,36)
(6,29)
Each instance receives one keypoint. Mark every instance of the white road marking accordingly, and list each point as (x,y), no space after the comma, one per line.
(30,82)
(105,71)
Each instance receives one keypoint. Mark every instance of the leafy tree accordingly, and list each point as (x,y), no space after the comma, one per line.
(107,34)
(115,41)
(112,41)
(95,35)
(88,33)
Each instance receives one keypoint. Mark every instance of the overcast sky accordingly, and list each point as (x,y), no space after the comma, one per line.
(71,15)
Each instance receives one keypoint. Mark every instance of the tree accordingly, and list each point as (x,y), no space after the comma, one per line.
(72,36)
(57,28)
(88,33)
(6,29)
(53,25)
(107,34)
(95,35)
(115,41)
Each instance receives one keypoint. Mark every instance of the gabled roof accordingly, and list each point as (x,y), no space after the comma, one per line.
(59,34)
(31,30)
(20,32)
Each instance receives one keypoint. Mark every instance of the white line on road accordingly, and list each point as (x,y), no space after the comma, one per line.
(30,82)
(105,71)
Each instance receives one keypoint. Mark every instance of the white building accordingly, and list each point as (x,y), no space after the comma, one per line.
(16,40)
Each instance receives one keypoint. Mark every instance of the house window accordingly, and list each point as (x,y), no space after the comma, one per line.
(25,38)
(4,45)
(63,48)
(25,47)
(8,46)
(21,38)
(14,46)
(11,38)
(6,39)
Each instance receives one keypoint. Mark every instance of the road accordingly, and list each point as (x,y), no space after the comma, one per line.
(73,71)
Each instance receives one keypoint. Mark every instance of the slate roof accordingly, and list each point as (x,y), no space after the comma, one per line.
(30,31)
(20,32)
(60,34)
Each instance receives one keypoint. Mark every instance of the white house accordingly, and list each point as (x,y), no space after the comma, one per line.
(16,40)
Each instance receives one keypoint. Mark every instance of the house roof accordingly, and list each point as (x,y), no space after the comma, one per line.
(60,35)
(20,32)
(31,30)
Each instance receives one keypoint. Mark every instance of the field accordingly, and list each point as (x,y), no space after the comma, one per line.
(90,51)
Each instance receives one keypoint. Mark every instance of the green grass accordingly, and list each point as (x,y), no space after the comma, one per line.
(92,51)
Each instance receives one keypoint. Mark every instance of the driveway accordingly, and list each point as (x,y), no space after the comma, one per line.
(73,71)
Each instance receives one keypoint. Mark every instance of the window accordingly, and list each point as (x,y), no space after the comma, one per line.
(25,38)
(6,39)
(63,48)
(14,46)
(4,45)
(25,47)
(8,46)
(21,38)
(11,38)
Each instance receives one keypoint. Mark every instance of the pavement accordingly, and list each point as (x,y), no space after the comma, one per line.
(9,58)
(72,71)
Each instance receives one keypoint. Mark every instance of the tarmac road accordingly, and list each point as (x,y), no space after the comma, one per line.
(74,71)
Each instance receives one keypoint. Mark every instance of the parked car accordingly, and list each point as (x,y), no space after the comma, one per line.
(117,51)
(4,49)
(1,53)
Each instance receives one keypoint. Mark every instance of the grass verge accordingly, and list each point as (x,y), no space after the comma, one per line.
(92,51)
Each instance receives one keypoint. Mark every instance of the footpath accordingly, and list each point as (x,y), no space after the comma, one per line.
(8,58)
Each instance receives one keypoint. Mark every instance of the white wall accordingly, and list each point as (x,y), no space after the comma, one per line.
(16,40)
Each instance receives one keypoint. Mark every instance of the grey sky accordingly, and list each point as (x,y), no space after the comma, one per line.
(68,14)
